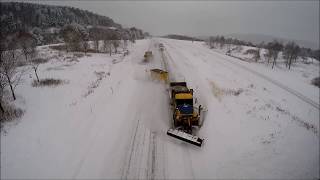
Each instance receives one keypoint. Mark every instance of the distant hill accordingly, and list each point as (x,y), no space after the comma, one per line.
(15,16)
(45,21)
(182,37)
(258,38)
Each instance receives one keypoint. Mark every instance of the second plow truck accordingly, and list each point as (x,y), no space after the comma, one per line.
(185,115)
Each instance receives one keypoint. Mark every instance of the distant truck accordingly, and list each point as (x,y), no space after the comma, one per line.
(161,46)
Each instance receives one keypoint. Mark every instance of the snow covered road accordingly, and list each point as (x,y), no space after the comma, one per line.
(262,111)
(253,127)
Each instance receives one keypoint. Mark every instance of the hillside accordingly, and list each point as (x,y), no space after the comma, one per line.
(44,22)
(26,16)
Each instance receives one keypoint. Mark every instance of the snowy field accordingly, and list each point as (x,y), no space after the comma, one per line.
(109,118)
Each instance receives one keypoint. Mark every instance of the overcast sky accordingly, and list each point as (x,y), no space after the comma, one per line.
(287,19)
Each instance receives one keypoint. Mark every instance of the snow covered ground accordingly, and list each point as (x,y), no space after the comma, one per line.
(109,119)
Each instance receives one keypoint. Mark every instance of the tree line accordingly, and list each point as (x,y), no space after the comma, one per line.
(103,39)
(182,37)
(19,16)
(45,22)
(290,51)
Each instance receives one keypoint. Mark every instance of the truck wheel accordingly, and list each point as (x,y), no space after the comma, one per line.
(174,120)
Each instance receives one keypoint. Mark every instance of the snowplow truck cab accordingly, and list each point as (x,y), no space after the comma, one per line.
(184,114)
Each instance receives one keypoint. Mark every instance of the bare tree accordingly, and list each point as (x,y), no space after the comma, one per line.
(34,63)
(3,84)
(273,49)
(211,42)
(109,37)
(115,44)
(290,53)
(222,41)
(115,41)
(27,43)
(107,44)
(133,35)
(29,50)
(124,36)
(68,37)
(73,35)
(85,46)
(84,38)
(125,44)
(296,51)
(256,56)
(3,44)
(268,55)
(8,70)
(96,34)
(228,49)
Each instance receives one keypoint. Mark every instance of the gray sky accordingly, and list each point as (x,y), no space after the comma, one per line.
(287,19)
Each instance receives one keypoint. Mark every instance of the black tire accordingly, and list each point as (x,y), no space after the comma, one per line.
(175,123)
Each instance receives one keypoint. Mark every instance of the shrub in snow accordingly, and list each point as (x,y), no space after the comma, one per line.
(40,60)
(100,75)
(47,82)
(10,113)
(254,52)
(78,55)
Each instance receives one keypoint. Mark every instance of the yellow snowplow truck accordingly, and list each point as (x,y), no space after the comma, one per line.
(185,115)
(158,74)
(147,56)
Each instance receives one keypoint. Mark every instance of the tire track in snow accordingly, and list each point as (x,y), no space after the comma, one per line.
(137,160)
(152,157)
(125,174)
(143,159)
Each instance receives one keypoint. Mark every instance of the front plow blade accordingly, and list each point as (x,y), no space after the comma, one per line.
(195,140)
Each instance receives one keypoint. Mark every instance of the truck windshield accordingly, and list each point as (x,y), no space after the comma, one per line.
(184,101)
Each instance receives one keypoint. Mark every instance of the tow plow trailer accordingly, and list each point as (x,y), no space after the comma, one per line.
(185,115)
(189,138)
